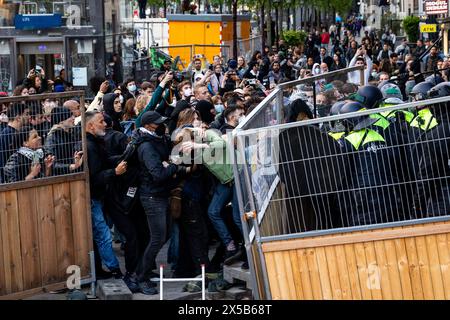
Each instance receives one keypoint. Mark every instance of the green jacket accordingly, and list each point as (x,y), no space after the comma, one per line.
(216,158)
(362,137)
(424,120)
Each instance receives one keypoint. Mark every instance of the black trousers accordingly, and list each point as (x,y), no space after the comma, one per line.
(134,228)
(193,247)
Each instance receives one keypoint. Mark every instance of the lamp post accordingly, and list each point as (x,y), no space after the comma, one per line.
(235,51)
(277,23)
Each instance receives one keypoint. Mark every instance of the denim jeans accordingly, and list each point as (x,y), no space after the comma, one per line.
(223,194)
(102,236)
(156,212)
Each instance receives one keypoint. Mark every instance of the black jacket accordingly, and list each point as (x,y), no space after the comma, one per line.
(62,144)
(101,168)
(115,142)
(156,180)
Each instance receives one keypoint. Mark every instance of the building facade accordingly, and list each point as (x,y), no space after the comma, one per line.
(79,36)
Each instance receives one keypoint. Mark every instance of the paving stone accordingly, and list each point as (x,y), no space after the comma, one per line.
(113,289)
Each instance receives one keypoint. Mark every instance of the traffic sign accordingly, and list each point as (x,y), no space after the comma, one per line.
(428,28)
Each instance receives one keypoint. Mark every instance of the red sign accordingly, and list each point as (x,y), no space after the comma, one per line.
(436,7)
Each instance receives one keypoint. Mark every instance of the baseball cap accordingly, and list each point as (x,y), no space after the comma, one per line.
(152,117)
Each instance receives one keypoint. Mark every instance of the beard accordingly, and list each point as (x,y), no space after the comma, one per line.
(100,133)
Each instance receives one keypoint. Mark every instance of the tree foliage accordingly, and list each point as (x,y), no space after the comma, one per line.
(411,27)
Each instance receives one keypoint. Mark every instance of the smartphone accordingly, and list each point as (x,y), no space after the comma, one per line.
(252,82)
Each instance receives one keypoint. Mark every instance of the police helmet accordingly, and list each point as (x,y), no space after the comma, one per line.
(349,107)
(391,90)
(420,90)
(434,79)
(336,108)
(369,96)
(393,101)
(440,90)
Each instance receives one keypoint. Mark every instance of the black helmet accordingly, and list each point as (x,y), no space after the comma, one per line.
(440,90)
(336,108)
(420,90)
(434,79)
(369,96)
(349,107)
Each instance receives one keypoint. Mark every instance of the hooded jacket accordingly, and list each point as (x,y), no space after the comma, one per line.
(108,107)
(152,151)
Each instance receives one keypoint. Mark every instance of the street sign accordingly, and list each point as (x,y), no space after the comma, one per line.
(433,7)
(428,28)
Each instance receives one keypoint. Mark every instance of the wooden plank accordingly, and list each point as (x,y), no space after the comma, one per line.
(47,234)
(81,176)
(435,268)
(403,268)
(12,253)
(290,275)
(2,241)
(79,225)
(350,238)
(392,269)
(361,264)
(272,274)
(424,267)
(382,263)
(29,238)
(333,273)
(64,234)
(314,274)
(343,273)
(281,275)
(324,274)
(444,260)
(373,271)
(414,269)
(353,273)
(292,259)
(302,258)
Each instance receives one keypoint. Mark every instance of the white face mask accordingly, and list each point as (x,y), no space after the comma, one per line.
(187,92)
(241,119)
(132,88)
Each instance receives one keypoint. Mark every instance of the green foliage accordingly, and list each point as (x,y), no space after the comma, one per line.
(294,38)
(411,27)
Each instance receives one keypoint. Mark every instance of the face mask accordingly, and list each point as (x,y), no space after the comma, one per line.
(317,70)
(121,99)
(241,119)
(374,74)
(219,108)
(132,88)
(187,92)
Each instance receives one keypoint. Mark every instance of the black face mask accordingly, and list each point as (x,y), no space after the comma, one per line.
(161,130)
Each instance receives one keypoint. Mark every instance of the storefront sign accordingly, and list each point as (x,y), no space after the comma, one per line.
(79,77)
(428,28)
(436,7)
(37,21)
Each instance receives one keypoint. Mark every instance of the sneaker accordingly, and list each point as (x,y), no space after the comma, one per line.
(153,276)
(231,256)
(148,288)
(116,273)
(131,283)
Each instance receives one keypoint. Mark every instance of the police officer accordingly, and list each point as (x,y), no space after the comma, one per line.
(433,184)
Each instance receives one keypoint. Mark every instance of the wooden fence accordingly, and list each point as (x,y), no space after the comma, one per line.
(45,227)
(402,263)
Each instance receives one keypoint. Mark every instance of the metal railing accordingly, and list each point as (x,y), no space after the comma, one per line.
(43,142)
(324,176)
(246,47)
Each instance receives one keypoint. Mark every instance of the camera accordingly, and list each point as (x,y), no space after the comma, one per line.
(211,67)
(251,82)
(178,76)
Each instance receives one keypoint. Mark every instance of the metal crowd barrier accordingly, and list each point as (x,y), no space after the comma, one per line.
(294,180)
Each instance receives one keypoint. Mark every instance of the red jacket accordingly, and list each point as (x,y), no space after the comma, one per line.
(325,38)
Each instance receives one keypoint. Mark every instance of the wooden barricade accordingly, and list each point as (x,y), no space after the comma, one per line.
(402,263)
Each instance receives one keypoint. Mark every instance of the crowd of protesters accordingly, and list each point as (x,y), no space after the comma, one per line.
(138,132)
